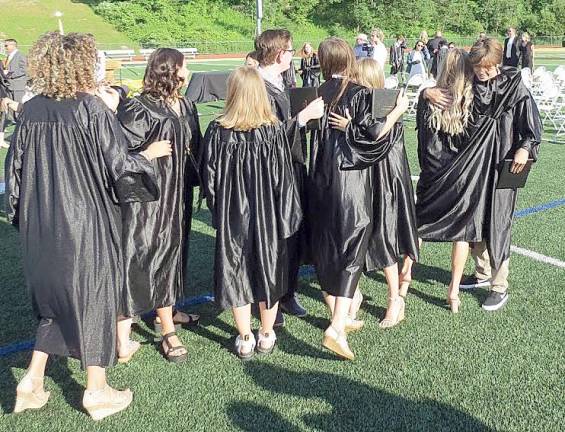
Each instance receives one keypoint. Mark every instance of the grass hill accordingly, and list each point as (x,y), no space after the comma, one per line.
(25,20)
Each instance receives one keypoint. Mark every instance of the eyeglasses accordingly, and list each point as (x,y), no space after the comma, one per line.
(292,50)
(420,46)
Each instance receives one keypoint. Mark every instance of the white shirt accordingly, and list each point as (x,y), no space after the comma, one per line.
(509,47)
(274,79)
(11,55)
(380,54)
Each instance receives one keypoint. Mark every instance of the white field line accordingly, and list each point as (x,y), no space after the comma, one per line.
(537,256)
(415,178)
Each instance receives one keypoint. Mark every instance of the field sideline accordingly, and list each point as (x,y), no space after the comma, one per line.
(435,372)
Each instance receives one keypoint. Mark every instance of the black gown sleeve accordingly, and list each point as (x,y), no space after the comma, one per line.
(363,147)
(129,174)
(527,126)
(13,171)
(136,122)
(209,166)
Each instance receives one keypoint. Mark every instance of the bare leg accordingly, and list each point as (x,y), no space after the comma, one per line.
(395,307)
(242,317)
(165,314)
(33,379)
(101,400)
(122,335)
(268,316)
(340,313)
(335,338)
(330,301)
(95,378)
(459,252)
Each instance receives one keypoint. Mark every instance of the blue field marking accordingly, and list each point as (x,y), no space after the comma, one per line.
(16,347)
(540,208)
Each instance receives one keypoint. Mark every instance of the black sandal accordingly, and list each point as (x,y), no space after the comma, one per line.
(171,349)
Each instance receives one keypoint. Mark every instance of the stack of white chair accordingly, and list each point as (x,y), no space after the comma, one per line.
(548,89)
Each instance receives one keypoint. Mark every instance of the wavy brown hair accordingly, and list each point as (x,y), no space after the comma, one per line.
(161,78)
(60,66)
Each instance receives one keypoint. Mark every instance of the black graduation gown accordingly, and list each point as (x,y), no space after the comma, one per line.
(457,195)
(155,235)
(297,248)
(395,231)
(64,174)
(341,189)
(310,71)
(255,205)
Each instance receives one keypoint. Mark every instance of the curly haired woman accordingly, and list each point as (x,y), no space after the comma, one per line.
(67,168)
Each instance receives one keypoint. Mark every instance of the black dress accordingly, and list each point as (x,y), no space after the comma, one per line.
(155,235)
(527,55)
(457,195)
(64,175)
(4,93)
(342,189)
(255,205)
(310,71)
(297,244)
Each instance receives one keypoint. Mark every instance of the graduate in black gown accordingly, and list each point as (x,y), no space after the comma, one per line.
(309,66)
(255,203)
(341,184)
(156,234)
(506,125)
(274,51)
(66,170)
(395,232)
(443,137)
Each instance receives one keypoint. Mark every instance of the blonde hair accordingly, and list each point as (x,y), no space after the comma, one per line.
(456,77)
(302,52)
(60,66)
(526,35)
(247,105)
(370,74)
(424,37)
(378,33)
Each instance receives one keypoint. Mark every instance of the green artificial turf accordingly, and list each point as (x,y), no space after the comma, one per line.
(437,371)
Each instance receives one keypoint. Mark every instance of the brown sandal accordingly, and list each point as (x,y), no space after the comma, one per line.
(169,353)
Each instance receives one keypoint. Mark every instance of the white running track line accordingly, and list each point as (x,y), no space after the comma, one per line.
(415,178)
(537,256)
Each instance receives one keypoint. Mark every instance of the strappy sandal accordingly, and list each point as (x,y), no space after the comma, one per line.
(193,320)
(245,346)
(169,353)
(388,322)
(266,342)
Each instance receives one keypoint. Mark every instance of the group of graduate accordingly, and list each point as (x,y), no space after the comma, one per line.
(100,187)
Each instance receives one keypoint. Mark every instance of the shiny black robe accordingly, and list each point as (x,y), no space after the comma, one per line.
(457,199)
(342,189)
(297,247)
(64,175)
(155,235)
(395,230)
(5,92)
(255,204)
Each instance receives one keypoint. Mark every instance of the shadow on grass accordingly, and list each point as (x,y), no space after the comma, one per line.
(57,370)
(354,406)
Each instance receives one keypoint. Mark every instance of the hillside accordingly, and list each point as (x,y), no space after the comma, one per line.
(25,20)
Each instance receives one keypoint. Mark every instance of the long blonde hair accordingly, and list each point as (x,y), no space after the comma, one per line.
(247,105)
(370,74)
(424,37)
(456,77)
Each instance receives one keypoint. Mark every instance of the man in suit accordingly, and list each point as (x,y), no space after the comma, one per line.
(433,48)
(511,55)
(15,67)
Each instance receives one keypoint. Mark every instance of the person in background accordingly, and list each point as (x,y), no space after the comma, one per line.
(255,211)
(416,61)
(512,52)
(361,48)
(482,36)
(100,66)
(309,66)
(15,68)
(5,95)
(451,45)
(66,170)
(424,38)
(251,60)
(379,50)
(397,56)
(440,57)
(527,51)
(289,76)
(433,47)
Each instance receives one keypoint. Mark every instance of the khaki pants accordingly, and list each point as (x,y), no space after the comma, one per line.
(483,270)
